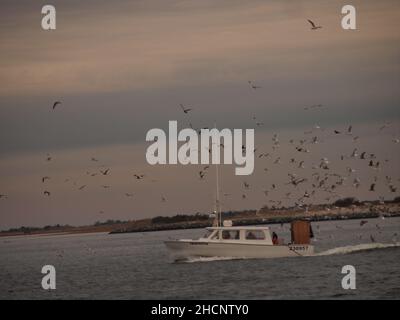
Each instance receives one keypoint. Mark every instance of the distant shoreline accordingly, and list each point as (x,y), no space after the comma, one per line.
(258,221)
(361,210)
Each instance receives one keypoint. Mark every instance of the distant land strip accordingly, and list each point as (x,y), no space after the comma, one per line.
(342,209)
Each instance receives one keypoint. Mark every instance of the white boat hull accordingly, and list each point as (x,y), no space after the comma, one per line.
(184,249)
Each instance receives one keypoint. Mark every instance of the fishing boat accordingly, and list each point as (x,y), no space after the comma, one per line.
(225,240)
(243,242)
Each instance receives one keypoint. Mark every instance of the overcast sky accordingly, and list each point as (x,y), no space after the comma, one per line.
(121,68)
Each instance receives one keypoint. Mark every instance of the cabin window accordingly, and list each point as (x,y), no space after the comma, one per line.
(208,233)
(230,235)
(255,235)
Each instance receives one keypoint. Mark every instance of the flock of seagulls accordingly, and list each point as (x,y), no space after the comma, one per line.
(323,180)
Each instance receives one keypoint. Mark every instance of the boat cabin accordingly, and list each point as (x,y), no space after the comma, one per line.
(240,234)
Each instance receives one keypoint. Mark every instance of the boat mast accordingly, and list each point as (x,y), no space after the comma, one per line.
(217,202)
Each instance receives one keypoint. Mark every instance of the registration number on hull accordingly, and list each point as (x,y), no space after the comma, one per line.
(298,248)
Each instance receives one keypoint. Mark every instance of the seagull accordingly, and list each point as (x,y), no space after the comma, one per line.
(371,163)
(313,26)
(55,104)
(202,174)
(138,176)
(263,155)
(94,159)
(314,140)
(105,172)
(3,196)
(356,182)
(47,193)
(372,187)
(349,130)
(253,86)
(354,154)
(44,179)
(350,170)
(185,110)
(82,187)
(387,124)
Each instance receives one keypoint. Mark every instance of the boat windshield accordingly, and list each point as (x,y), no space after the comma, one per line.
(230,234)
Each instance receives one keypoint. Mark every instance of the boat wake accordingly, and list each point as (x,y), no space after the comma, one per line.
(207,259)
(357,248)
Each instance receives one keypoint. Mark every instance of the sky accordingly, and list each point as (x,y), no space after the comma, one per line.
(121,68)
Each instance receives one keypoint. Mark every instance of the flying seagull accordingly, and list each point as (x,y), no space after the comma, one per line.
(313,26)
(253,86)
(202,174)
(185,110)
(105,172)
(55,104)
(350,129)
